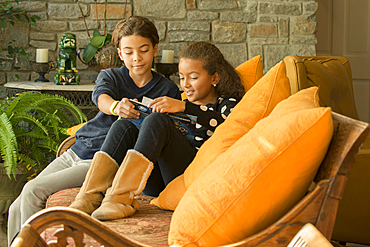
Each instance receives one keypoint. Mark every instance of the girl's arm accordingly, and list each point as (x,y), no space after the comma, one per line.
(167,105)
(207,116)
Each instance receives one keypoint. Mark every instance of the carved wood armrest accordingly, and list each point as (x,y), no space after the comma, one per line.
(76,224)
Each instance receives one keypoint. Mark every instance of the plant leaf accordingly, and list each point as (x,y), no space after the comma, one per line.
(10,49)
(8,145)
(109,38)
(89,53)
(35,17)
(3,25)
(96,33)
(98,41)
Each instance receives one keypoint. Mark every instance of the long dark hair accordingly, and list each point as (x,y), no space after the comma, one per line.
(135,25)
(214,61)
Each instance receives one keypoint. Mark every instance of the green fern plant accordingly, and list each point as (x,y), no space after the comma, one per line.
(32,125)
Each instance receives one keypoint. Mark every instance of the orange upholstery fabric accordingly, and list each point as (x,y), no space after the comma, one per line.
(256,104)
(250,72)
(72,131)
(259,178)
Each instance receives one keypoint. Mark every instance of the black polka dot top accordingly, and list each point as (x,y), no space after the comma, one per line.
(209,116)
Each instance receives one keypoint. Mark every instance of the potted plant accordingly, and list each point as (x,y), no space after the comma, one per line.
(32,125)
(99,53)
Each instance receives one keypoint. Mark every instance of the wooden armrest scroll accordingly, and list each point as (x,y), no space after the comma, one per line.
(28,237)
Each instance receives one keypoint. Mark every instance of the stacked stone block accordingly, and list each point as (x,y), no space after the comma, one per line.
(242,29)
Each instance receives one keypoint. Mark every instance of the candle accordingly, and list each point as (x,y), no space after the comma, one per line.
(42,55)
(167,56)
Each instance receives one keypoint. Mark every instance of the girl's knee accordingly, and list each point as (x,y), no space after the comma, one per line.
(156,118)
(121,125)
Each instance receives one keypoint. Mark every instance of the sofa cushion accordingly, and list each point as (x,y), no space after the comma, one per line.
(256,104)
(250,72)
(259,178)
(72,131)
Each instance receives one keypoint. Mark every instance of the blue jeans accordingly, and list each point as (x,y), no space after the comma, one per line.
(159,141)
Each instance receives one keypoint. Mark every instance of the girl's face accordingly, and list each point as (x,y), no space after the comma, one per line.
(197,84)
(137,53)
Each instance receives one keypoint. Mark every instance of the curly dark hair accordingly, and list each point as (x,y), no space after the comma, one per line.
(214,61)
(135,25)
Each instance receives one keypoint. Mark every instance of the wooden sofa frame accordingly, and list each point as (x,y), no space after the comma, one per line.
(318,207)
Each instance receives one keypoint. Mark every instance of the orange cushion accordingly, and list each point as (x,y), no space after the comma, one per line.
(171,195)
(250,72)
(256,104)
(257,180)
(72,131)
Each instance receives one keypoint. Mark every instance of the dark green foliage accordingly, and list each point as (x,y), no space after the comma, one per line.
(97,42)
(32,126)
(10,14)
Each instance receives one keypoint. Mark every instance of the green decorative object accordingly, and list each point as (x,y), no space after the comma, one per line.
(67,73)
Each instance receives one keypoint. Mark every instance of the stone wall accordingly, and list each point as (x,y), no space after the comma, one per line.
(242,29)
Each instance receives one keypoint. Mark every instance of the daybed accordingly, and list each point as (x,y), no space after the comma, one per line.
(150,225)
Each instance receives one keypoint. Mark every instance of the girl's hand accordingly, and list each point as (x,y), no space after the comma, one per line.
(166,104)
(126,109)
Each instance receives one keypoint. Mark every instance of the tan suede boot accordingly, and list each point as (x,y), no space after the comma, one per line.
(98,179)
(129,181)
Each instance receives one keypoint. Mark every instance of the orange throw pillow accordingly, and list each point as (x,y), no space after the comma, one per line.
(257,180)
(250,72)
(256,104)
(72,131)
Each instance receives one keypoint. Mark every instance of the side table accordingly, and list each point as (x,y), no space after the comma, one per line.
(80,95)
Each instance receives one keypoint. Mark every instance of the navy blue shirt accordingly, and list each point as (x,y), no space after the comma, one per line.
(116,83)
